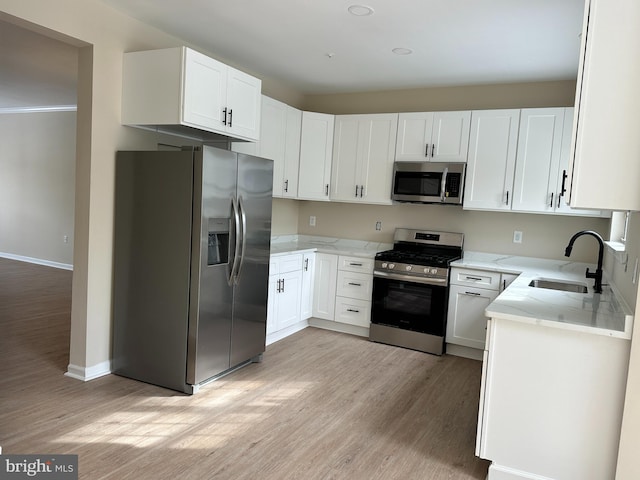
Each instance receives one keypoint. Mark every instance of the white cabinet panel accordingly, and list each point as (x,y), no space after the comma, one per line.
(491,161)
(433,136)
(316,146)
(606,143)
(355,285)
(179,87)
(362,163)
(308,269)
(466,323)
(325,280)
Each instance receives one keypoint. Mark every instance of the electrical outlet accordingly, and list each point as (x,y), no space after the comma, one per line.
(312,221)
(65,239)
(517,236)
(378,226)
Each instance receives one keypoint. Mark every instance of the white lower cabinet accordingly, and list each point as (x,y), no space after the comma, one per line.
(353,292)
(470,293)
(308,269)
(325,279)
(285,292)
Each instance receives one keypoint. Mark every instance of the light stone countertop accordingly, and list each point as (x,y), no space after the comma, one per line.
(601,314)
(286,244)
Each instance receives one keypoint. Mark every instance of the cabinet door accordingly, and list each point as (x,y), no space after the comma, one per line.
(243,104)
(562,180)
(376,165)
(289,299)
(507,279)
(492,156)
(316,146)
(291,152)
(308,269)
(325,280)
(204,91)
(272,299)
(272,139)
(414,136)
(450,137)
(606,146)
(466,322)
(348,143)
(538,159)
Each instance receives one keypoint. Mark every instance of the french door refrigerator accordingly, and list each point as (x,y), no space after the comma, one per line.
(191,264)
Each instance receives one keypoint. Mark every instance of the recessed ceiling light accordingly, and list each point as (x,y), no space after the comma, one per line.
(402,51)
(360,10)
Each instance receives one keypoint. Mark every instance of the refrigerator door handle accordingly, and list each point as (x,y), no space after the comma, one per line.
(243,236)
(237,237)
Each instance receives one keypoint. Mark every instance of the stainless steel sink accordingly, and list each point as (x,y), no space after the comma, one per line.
(558,285)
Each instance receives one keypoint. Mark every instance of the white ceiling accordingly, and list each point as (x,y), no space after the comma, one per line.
(454,42)
(316,46)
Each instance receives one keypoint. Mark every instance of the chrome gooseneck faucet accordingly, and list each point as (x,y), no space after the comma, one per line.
(597,275)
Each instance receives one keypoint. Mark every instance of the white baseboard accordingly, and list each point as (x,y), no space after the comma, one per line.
(499,472)
(88,373)
(38,261)
(339,327)
(462,351)
(285,332)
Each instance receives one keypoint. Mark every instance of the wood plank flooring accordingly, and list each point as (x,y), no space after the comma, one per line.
(322,405)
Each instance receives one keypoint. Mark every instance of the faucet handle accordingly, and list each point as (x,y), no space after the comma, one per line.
(589,274)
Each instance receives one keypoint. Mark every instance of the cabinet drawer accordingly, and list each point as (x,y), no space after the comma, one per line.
(355,285)
(353,311)
(285,264)
(476,278)
(355,264)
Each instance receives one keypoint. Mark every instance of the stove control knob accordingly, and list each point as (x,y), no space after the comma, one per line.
(426,270)
(384,264)
(408,268)
(392,266)
(434,271)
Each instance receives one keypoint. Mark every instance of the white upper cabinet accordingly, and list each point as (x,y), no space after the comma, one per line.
(279,141)
(538,160)
(362,164)
(492,158)
(433,136)
(316,146)
(181,91)
(606,149)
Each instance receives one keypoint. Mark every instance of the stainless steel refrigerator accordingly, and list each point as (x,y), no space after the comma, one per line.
(191,264)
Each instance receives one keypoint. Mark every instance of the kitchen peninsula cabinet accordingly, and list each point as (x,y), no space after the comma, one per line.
(491,161)
(362,164)
(316,147)
(280,127)
(181,91)
(433,136)
(606,145)
(550,402)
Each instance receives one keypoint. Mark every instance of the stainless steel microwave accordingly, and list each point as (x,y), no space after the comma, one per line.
(428,182)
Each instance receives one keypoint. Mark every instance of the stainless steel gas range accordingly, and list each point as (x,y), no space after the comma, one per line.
(411,289)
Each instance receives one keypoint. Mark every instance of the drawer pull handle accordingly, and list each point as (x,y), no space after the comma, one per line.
(472,293)
(355,264)
(355,284)
(353,310)
(477,279)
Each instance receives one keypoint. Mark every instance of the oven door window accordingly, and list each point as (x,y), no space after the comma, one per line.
(411,306)
(424,184)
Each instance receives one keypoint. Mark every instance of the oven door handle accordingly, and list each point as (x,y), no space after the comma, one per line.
(396,276)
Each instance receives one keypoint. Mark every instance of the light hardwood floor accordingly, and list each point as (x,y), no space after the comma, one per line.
(322,405)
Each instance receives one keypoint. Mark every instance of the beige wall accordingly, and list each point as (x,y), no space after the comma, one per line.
(544,236)
(285,215)
(37,175)
(473,97)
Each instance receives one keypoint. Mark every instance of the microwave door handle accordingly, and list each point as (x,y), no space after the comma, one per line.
(444,184)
